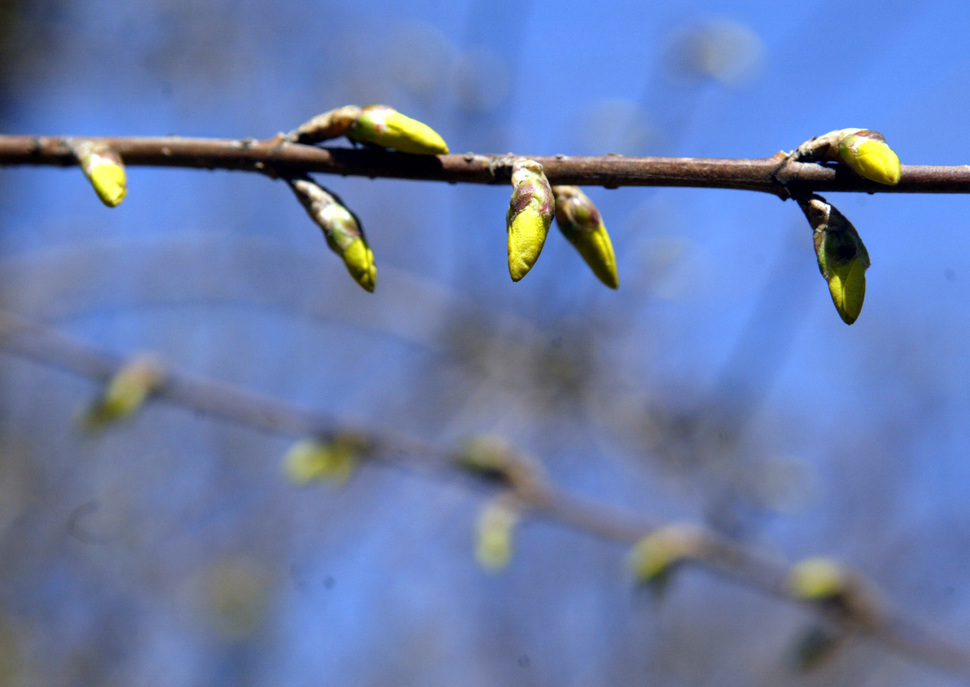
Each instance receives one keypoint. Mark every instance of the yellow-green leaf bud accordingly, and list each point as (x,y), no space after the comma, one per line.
(124,394)
(655,554)
(380,125)
(582,225)
(318,459)
(529,216)
(868,155)
(341,228)
(495,531)
(842,257)
(327,125)
(103,167)
(817,579)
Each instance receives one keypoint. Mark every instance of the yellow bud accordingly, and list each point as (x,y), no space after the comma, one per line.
(104,169)
(582,225)
(867,153)
(529,216)
(384,126)
(654,554)
(817,579)
(313,459)
(495,531)
(360,263)
(125,393)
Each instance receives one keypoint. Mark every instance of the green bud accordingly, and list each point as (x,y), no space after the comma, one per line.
(318,459)
(529,216)
(125,393)
(327,125)
(341,228)
(817,579)
(815,647)
(384,126)
(868,155)
(653,557)
(842,257)
(104,169)
(580,222)
(495,532)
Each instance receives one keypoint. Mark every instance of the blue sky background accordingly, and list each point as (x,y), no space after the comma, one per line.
(718,384)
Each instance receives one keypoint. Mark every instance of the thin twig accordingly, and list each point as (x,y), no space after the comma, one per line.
(275,156)
(869,612)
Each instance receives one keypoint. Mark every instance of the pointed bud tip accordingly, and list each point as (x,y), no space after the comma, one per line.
(360,263)
(384,126)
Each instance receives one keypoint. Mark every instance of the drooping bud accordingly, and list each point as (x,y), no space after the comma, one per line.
(529,216)
(384,126)
(125,393)
(341,228)
(103,167)
(327,125)
(582,225)
(816,646)
(842,257)
(318,459)
(868,155)
(495,531)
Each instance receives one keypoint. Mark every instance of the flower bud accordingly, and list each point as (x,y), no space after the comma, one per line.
(327,125)
(495,532)
(384,126)
(125,393)
(317,459)
(817,579)
(529,216)
(657,553)
(103,168)
(842,257)
(340,227)
(580,222)
(868,155)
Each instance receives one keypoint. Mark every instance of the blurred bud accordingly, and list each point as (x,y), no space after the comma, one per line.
(495,531)
(868,155)
(104,169)
(529,216)
(125,393)
(580,222)
(384,126)
(653,557)
(814,647)
(340,227)
(495,459)
(329,461)
(842,257)
(818,579)
(327,125)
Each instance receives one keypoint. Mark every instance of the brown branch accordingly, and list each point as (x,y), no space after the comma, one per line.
(867,611)
(276,156)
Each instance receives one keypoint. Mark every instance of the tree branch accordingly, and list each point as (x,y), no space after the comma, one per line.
(275,156)
(866,611)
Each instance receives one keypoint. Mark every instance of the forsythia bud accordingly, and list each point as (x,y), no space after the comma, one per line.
(817,579)
(384,126)
(104,169)
(529,216)
(868,155)
(340,227)
(327,125)
(316,459)
(495,531)
(653,556)
(580,222)
(842,257)
(125,393)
